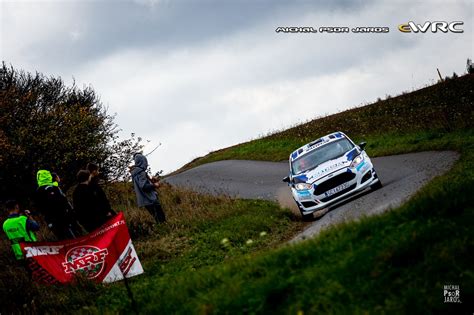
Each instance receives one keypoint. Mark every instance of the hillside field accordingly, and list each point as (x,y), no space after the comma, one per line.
(221,255)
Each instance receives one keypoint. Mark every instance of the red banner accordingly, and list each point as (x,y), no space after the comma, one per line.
(104,255)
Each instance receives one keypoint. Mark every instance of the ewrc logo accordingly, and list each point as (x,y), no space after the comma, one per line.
(86,259)
(433,26)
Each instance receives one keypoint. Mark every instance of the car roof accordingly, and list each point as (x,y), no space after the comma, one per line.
(316,143)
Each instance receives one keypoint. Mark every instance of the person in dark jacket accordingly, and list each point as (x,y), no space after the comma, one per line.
(56,209)
(89,214)
(100,197)
(145,189)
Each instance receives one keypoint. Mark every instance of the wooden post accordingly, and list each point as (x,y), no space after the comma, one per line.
(440,77)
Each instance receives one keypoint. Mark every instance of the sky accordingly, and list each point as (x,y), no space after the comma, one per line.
(197,76)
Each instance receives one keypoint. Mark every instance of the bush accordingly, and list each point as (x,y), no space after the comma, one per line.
(46,124)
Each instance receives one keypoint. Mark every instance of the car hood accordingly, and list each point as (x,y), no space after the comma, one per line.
(327,167)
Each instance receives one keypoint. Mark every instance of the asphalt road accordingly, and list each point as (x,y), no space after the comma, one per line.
(402,175)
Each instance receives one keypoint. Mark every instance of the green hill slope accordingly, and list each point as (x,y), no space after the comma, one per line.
(397,262)
(438,109)
(217,255)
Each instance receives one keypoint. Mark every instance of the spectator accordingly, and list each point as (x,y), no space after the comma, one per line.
(19,227)
(90,216)
(101,198)
(145,189)
(55,207)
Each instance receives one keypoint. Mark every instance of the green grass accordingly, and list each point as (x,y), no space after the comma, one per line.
(191,239)
(397,262)
(202,244)
(390,144)
(377,145)
(205,246)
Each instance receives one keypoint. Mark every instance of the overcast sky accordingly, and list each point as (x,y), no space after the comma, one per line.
(202,75)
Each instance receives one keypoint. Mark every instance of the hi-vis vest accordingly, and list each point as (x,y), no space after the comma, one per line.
(15,228)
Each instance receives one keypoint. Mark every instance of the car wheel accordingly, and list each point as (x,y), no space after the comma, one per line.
(306,217)
(377,185)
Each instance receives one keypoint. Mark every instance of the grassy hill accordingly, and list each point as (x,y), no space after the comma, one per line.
(219,255)
(416,117)
(397,262)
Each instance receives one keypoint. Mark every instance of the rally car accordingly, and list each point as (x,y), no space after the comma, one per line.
(329,170)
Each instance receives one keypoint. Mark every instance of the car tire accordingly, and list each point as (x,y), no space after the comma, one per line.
(306,217)
(377,185)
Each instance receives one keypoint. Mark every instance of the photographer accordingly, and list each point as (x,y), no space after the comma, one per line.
(19,227)
(145,189)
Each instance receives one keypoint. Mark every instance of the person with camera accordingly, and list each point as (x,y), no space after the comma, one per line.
(19,227)
(145,188)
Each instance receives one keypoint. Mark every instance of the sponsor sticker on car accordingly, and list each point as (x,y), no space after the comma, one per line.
(304,195)
(335,190)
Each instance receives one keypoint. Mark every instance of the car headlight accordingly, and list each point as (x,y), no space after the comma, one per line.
(303,186)
(358,159)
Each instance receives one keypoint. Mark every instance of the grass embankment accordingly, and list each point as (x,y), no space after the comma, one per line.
(191,239)
(441,108)
(397,262)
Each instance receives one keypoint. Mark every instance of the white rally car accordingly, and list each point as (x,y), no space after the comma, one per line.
(328,170)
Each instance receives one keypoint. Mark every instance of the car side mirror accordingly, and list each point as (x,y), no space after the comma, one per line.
(362,145)
(286,179)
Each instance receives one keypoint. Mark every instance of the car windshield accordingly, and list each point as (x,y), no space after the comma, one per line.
(320,155)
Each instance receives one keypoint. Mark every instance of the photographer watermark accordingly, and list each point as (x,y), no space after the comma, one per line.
(409,27)
(332,29)
(451,293)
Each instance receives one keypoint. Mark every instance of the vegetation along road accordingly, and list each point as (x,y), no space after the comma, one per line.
(402,175)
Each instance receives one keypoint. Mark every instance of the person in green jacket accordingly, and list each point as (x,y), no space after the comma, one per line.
(19,227)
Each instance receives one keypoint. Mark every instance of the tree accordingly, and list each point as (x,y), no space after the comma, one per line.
(46,124)
(115,166)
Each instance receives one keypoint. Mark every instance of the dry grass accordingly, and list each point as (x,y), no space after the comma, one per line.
(184,210)
(195,224)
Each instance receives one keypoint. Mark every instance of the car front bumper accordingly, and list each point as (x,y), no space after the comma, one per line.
(335,187)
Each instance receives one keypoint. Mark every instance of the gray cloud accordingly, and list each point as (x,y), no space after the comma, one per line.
(83,31)
(198,76)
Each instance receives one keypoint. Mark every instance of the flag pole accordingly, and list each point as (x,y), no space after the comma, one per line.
(125,280)
(129,292)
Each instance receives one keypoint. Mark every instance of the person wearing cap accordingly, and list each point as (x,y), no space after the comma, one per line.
(145,189)
(19,227)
